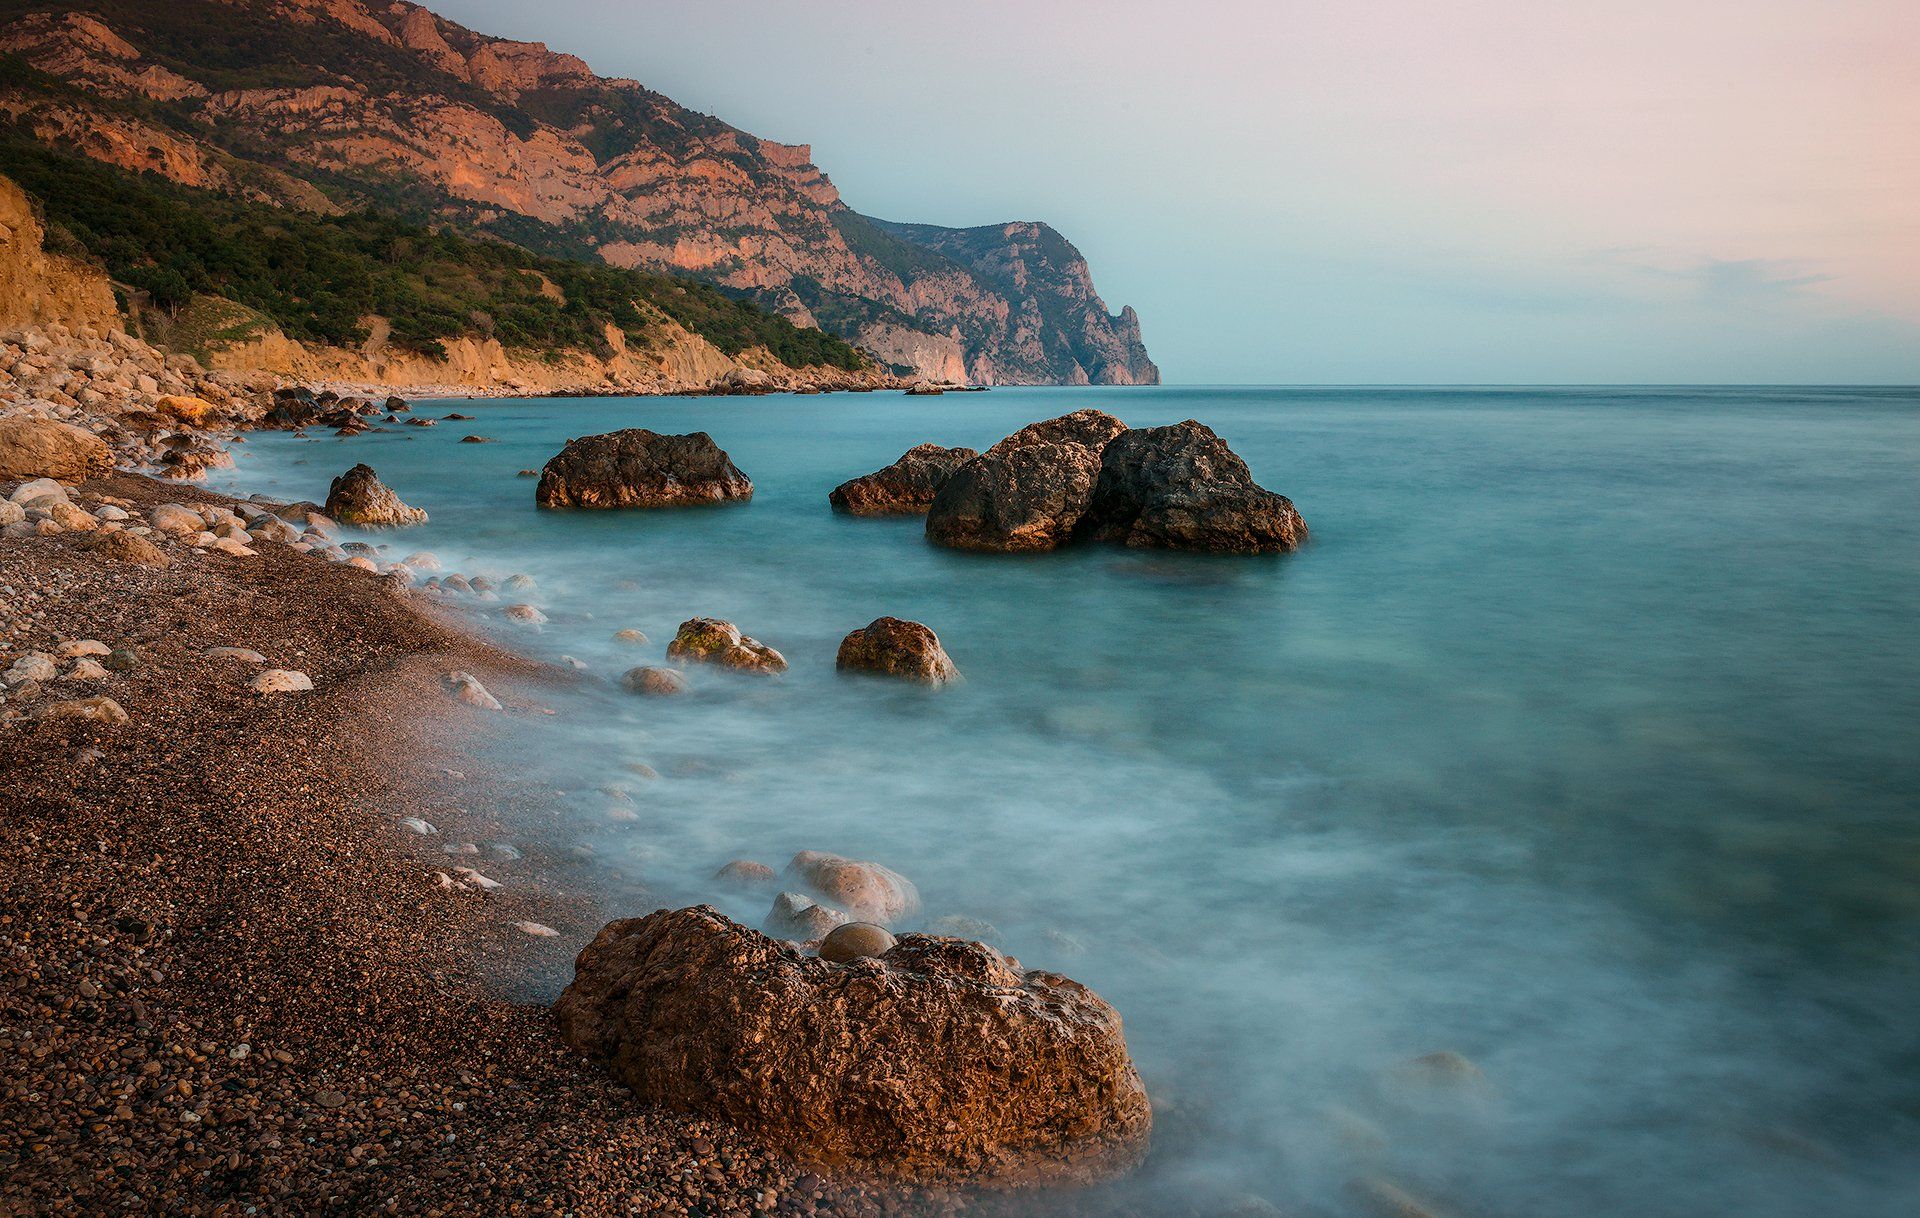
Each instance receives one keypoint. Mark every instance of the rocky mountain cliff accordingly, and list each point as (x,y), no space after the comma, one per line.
(325,105)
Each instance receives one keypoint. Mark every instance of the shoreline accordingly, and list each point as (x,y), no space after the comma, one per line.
(234,980)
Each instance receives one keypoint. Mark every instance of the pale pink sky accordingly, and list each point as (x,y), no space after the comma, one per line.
(1377,190)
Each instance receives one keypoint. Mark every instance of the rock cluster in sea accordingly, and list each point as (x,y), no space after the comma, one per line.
(1084,476)
(358,497)
(938,1059)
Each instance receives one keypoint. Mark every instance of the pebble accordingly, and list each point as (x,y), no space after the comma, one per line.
(281,681)
(526,615)
(84,647)
(414,824)
(537,930)
(467,688)
(245,654)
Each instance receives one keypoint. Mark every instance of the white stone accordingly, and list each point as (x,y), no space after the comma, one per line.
(414,824)
(84,647)
(281,681)
(172,518)
(537,930)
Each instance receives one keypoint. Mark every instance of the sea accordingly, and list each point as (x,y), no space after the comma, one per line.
(1541,839)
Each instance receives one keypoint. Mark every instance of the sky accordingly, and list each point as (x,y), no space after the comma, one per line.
(1370,191)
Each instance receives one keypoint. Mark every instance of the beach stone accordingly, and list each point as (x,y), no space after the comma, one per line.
(244,654)
(227,545)
(101,709)
(46,448)
(122,659)
(83,647)
(519,583)
(538,930)
(1026,493)
(709,640)
(800,918)
(745,874)
(85,669)
(637,468)
(467,688)
(11,513)
(32,666)
(129,548)
(363,563)
(281,681)
(937,1062)
(655,682)
(855,941)
(37,488)
(891,647)
(868,891)
(422,561)
(526,615)
(358,497)
(73,518)
(1182,488)
(635,637)
(905,488)
(175,519)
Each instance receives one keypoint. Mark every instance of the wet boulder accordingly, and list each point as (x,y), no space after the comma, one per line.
(707,640)
(1026,493)
(867,891)
(46,448)
(358,497)
(892,647)
(637,468)
(1182,488)
(905,488)
(937,1061)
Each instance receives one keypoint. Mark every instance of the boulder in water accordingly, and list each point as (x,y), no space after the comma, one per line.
(905,488)
(637,468)
(1029,491)
(892,647)
(868,891)
(938,1061)
(359,497)
(709,640)
(1182,488)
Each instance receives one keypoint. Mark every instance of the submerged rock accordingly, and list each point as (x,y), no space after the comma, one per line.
(868,891)
(1182,488)
(800,918)
(892,647)
(905,488)
(654,682)
(1029,491)
(467,688)
(637,468)
(745,874)
(938,1061)
(708,640)
(359,497)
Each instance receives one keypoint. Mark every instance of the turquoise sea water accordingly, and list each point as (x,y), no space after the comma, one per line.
(1584,740)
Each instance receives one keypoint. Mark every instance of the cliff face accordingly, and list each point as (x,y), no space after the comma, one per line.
(381,101)
(323,102)
(38,288)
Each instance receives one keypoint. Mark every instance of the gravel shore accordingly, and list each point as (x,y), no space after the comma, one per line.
(230,978)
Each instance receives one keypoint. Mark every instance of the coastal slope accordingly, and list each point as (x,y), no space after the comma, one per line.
(325,104)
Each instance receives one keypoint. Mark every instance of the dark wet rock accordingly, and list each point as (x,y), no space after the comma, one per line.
(1029,491)
(905,488)
(707,640)
(939,1061)
(640,468)
(397,405)
(892,647)
(476,439)
(1182,488)
(358,497)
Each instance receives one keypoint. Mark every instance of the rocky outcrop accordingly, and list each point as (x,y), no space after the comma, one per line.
(512,138)
(904,488)
(891,647)
(358,497)
(938,1061)
(38,288)
(1182,488)
(44,448)
(706,640)
(1029,491)
(637,468)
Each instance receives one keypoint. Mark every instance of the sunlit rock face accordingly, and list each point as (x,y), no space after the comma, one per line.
(389,102)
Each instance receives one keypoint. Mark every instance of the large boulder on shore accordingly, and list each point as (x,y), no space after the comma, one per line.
(47,448)
(637,468)
(905,488)
(940,1060)
(1029,491)
(358,497)
(893,647)
(1182,488)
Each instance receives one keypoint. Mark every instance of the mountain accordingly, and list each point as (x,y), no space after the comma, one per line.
(332,105)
